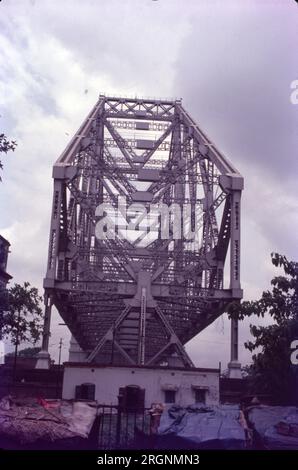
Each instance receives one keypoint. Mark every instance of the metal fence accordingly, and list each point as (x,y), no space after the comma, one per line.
(122,428)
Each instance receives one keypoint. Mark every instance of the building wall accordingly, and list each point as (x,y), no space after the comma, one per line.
(76,354)
(4,250)
(155,381)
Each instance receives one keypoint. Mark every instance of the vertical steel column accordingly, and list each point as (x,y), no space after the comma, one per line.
(54,230)
(234,340)
(234,366)
(179,193)
(142,335)
(47,323)
(52,261)
(235,241)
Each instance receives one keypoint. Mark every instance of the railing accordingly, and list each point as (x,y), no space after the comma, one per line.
(123,428)
(133,96)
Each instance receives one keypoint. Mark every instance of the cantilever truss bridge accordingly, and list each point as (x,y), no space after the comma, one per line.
(137,296)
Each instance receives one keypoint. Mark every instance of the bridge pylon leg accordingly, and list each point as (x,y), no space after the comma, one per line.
(43,357)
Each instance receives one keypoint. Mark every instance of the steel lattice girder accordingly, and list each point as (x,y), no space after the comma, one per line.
(138,298)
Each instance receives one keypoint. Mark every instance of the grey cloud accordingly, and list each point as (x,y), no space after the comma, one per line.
(235,70)
(132,42)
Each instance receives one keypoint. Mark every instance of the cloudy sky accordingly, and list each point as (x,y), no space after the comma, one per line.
(231,62)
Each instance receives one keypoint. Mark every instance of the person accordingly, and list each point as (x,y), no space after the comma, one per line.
(155,412)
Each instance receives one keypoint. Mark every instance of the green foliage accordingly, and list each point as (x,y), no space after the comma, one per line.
(272,372)
(6,146)
(281,302)
(20,313)
(26,352)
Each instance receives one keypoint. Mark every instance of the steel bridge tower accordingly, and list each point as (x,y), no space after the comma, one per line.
(146,211)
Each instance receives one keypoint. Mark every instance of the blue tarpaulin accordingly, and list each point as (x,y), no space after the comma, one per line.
(276,427)
(201,427)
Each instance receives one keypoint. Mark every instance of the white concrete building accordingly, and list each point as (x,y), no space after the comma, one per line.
(148,385)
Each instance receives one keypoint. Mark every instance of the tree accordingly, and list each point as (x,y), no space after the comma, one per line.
(20,315)
(271,371)
(6,146)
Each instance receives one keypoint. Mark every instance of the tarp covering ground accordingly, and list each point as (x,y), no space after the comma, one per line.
(29,420)
(275,427)
(201,427)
